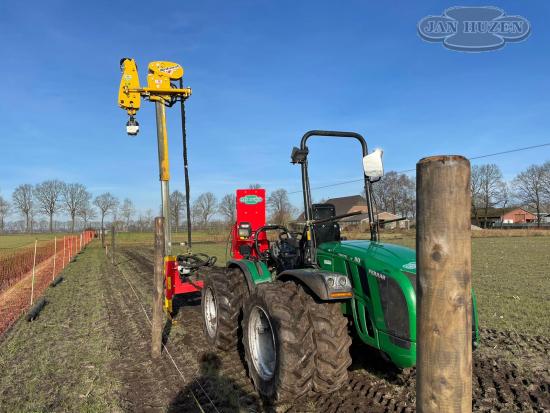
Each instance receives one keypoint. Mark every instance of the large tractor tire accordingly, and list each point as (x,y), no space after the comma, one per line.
(278,341)
(332,342)
(221,303)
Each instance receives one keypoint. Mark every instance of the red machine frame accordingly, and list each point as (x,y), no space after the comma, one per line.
(250,208)
(251,214)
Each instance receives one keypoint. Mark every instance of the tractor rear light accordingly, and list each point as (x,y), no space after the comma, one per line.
(346,294)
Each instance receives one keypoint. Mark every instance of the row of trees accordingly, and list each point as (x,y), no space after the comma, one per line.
(529,189)
(52,197)
(396,193)
(206,207)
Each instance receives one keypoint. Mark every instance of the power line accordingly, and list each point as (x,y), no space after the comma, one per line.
(414,169)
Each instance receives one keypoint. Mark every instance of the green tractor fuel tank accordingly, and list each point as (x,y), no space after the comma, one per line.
(384,305)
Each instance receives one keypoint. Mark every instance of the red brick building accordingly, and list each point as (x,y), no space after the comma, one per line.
(518,216)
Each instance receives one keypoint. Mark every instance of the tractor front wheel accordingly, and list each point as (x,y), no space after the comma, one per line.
(332,343)
(221,303)
(278,341)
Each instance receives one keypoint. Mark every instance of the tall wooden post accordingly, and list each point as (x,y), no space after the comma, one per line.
(33,267)
(54,256)
(156,328)
(444,301)
(113,244)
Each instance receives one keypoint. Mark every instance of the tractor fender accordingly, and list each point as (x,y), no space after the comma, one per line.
(254,272)
(318,282)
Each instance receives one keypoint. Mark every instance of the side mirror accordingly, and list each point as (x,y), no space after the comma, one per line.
(372,164)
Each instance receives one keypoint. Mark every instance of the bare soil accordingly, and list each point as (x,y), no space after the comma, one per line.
(511,371)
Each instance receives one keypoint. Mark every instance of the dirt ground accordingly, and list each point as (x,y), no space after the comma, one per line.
(374,386)
(511,370)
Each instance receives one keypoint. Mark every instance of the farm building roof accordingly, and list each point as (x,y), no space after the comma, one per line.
(345,204)
(494,213)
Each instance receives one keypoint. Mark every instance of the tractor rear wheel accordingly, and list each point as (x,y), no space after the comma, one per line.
(222,298)
(278,341)
(332,342)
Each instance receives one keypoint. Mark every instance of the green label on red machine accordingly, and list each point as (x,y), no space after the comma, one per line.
(250,199)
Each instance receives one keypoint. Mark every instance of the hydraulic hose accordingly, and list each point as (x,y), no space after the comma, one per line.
(186,170)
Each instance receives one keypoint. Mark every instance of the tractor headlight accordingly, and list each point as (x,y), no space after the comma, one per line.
(330,282)
(342,281)
(132,126)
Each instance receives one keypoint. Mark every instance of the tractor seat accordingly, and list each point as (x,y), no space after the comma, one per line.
(328,231)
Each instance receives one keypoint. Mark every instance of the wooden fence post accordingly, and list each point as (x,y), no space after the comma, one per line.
(113,244)
(33,266)
(158,275)
(54,256)
(444,301)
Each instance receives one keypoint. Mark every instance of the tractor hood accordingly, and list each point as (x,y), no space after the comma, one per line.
(384,256)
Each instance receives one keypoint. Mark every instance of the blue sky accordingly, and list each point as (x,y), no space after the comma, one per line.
(262,73)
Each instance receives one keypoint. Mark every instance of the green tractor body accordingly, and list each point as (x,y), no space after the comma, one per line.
(297,295)
(383,279)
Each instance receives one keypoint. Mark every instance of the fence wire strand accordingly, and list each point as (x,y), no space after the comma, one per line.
(170,355)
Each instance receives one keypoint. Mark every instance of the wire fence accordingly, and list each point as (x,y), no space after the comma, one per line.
(26,272)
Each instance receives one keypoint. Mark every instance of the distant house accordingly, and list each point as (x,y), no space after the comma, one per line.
(356,203)
(544,217)
(345,205)
(518,216)
(499,216)
(388,216)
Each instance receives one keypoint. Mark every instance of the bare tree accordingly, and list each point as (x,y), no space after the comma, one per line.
(177,207)
(74,197)
(23,201)
(280,207)
(228,207)
(546,183)
(127,210)
(531,188)
(204,207)
(149,218)
(475,187)
(254,186)
(395,193)
(87,213)
(47,196)
(4,211)
(491,188)
(106,204)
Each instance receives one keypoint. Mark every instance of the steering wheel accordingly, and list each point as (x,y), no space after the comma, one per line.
(268,253)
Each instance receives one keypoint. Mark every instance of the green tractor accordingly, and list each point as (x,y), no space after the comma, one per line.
(290,297)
